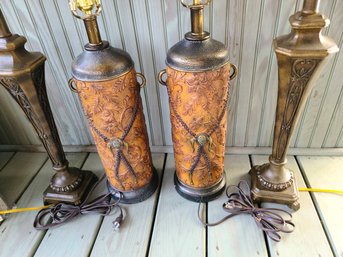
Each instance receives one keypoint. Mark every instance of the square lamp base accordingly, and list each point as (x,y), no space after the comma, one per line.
(73,197)
(289,196)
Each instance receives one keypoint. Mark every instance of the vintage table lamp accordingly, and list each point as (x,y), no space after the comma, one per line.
(301,56)
(22,75)
(198,74)
(105,80)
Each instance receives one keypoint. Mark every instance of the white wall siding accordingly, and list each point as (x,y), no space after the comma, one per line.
(147,29)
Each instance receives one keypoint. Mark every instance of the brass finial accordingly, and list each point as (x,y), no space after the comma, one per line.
(197,19)
(90,9)
(4,30)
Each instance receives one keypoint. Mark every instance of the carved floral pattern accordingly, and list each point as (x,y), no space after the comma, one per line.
(199,99)
(38,112)
(109,106)
(302,70)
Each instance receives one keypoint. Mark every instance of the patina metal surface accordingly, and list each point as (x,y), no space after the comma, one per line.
(301,56)
(22,75)
(197,80)
(106,82)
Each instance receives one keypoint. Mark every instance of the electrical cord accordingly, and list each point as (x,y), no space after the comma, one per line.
(60,213)
(267,219)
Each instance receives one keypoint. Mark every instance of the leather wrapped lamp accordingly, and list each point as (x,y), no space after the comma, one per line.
(22,75)
(106,82)
(198,74)
(301,56)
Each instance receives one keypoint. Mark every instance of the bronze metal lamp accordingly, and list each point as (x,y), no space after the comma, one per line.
(22,75)
(301,55)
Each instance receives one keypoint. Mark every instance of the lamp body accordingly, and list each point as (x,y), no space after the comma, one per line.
(107,86)
(198,74)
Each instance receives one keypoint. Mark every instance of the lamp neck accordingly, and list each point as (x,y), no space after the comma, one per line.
(4,30)
(311,6)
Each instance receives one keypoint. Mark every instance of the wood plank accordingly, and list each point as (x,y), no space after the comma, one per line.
(127,25)
(326,87)
(18,173)
(306,220)
(159,47)
(4,158)
(144,33)
(326,172)
(14,126)
(229,238)
(234,38)
(133,237)
(266,125)
(79,234)
(249,32)
(177,231)
(17,231)
(270,11)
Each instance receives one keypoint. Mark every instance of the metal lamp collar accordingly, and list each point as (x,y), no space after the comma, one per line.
(89,9)
(197,19)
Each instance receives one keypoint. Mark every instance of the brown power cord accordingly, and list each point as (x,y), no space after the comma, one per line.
(267,219)
(62,212)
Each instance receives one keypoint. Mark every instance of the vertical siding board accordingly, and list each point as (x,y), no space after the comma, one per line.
(130,41)
(334,132)
(247,66)
(333,85)
(234,38)
(159,45)
(318,95)
(268,112)
(146,29)
(111,19)
(66,112)
(263,53)
(11,116)
(152,90)
(218,20)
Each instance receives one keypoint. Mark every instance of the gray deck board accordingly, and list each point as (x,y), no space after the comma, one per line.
(166,224)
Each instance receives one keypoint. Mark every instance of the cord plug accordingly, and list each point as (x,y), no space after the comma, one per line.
(117,222)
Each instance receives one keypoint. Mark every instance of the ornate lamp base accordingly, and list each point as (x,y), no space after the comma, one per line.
(73,193)
(200,194)
(138,195)
(264,191)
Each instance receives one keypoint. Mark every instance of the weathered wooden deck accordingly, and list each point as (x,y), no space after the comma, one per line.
(166,224)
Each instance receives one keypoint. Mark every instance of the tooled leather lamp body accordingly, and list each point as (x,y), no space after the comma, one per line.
(106,82)
(198,74)
(301,56)
(22,75)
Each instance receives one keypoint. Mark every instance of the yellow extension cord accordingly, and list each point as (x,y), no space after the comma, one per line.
(317,190)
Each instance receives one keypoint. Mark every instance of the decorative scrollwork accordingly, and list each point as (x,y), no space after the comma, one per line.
(45,128)
(273,186)
(68,188)
(302,70)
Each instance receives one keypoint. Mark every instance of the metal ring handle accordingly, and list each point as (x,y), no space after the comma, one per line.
(234,72)
(190,6)
(142,77)
(160,77)
(71,84)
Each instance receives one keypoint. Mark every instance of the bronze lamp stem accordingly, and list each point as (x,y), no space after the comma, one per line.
(22,75)
(301,55)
